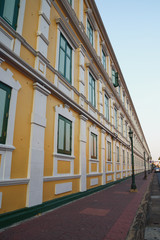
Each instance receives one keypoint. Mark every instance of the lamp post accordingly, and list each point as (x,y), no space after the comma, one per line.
(148,166)
(133,185)
(145,173)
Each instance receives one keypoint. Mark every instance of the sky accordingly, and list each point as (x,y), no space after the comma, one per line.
(133,27)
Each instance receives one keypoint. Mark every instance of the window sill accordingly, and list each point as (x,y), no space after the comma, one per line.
(5,147)
(108,161)
(93,160)
(62,156)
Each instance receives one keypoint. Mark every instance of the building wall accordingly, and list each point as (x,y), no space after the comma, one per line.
(30,164)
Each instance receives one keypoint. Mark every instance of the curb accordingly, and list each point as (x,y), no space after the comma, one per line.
(137,228)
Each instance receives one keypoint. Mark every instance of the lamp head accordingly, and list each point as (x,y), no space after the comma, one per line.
(130,133)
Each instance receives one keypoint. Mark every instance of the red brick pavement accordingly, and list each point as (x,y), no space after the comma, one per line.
(105,215)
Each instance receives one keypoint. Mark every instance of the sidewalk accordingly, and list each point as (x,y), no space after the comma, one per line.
(105,215)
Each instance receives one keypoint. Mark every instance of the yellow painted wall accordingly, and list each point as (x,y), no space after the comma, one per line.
(63,167)
(30,25)
(13,198)
(21,139)
(49,189)
(89,181)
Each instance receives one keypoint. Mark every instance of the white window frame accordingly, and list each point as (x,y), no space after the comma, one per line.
(93,129)
(61,28)
(6,149)
(59,110)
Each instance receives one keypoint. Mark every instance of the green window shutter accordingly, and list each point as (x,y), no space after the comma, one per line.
(65,59)
(5,95)
(9,11)
(90,32)
(64,145)
(116,84)
(92,97)
(107,108)
(109,151)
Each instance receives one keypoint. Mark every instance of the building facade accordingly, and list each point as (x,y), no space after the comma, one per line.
(65,108)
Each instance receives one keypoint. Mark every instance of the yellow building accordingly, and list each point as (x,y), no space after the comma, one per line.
(65,110)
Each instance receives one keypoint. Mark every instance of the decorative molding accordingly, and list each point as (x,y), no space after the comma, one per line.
(91,18)
(63,27)
(52,178)
(93,70)
(18,181)
(41,89)
(41,13)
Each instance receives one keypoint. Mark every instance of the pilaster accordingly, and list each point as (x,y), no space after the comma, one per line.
(83,140)
(36,156)
(103,161)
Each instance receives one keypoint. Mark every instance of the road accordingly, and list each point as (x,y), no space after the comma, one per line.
(152,230)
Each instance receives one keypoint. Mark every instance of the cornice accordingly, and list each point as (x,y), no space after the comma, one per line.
(112,54)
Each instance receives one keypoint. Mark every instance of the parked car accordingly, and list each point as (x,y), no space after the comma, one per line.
(157,169)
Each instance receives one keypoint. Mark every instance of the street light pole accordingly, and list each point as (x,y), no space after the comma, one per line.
(133,185)
(145,173)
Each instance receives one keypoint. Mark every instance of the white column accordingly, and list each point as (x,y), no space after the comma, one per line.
(98,44)
(100,96)
(81,69)
(83,140)
(36,156)
(42,35)
(81,11)
(103,161)
(17,45)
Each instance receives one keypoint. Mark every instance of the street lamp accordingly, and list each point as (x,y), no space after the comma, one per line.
(145,173)
(133,185)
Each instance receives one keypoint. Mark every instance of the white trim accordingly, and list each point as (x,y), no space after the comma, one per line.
(7,78)
(20,20)
(81,11)
(93,181)
(36,155)
(83,141)
(18,181)
(63,188)
(6,39)
(51,178)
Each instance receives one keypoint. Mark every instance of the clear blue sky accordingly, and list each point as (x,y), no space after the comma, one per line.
(133,27)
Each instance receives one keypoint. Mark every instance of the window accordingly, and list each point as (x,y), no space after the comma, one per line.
(9,11)
(65,59)
(70,2)
(106,108)
(109,151)
(115,78)
(115,118)
(64,135)
(5,94)
(90,32)
(123,157)
(127,158)
(92,99)
(93,145)
(103,60)
(126,129)
(117,154)
(122,125)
